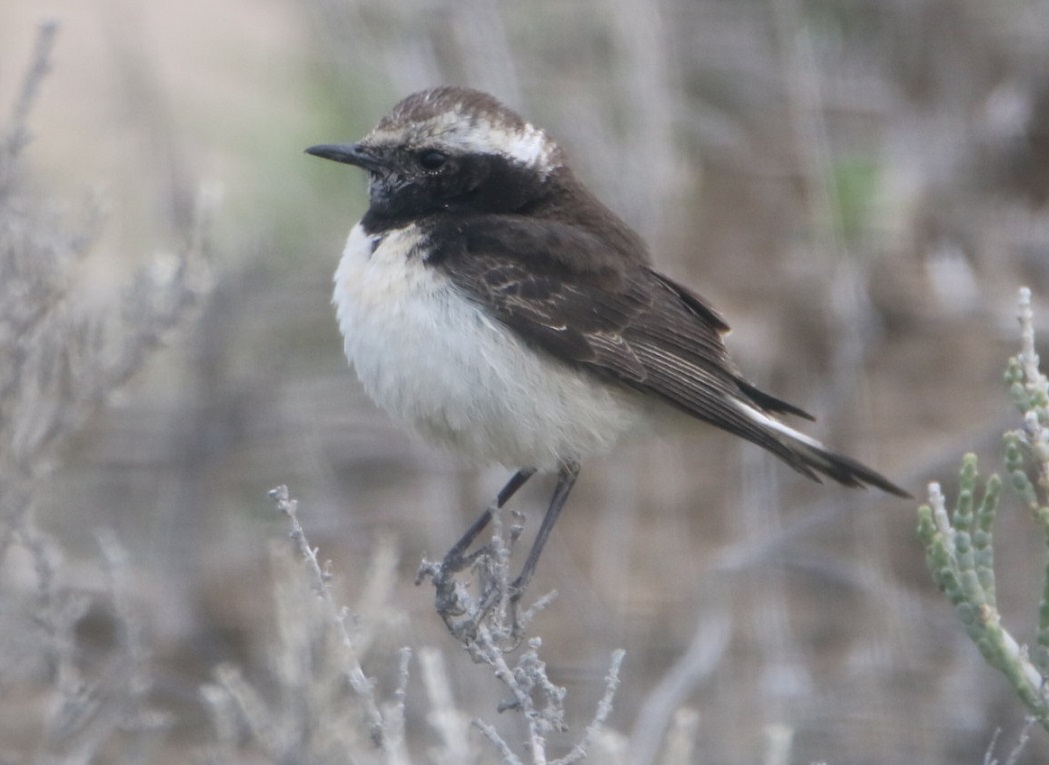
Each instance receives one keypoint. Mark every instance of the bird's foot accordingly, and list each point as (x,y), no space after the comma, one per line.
(488,600)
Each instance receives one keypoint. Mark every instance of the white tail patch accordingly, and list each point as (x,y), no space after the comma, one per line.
(773,424)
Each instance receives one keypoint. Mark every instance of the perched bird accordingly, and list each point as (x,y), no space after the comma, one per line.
(493,304)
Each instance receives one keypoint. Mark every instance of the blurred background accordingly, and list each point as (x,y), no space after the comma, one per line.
(859,186)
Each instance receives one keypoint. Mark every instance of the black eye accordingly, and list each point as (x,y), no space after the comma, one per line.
(432,159)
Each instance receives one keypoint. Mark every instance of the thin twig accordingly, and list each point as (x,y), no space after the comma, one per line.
(604,709)
(18,134)
(362,686)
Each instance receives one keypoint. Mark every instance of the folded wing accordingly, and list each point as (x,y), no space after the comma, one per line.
(625,322)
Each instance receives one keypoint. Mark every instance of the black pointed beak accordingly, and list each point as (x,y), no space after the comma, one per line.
(350,154)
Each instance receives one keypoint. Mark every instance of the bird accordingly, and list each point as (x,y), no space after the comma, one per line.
(494,305)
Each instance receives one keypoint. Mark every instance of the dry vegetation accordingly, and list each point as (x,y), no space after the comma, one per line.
(860,186)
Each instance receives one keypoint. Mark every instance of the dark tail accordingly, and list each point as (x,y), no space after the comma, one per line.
(811,458)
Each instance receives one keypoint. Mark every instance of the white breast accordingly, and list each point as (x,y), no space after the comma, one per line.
(435,361)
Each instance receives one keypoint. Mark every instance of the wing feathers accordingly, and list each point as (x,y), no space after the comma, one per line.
(619,319)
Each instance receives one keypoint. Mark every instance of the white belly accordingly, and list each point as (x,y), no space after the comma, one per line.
(436,362)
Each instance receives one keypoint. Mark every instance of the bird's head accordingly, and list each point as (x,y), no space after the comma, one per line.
(451,149)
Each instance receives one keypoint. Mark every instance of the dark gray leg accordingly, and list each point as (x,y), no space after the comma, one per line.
(566,478)
(456,559)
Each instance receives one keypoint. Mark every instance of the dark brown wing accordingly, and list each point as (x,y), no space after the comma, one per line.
(554,286)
